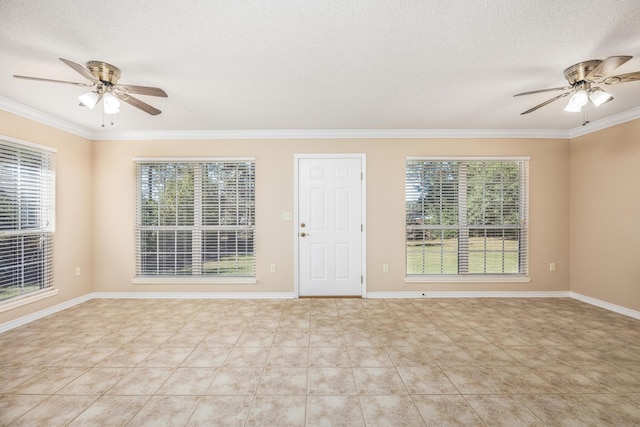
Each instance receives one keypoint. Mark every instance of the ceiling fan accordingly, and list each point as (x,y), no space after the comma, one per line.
(584,78)
(104,86)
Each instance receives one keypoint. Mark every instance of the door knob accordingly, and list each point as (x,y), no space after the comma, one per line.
(302,224)
(303,234)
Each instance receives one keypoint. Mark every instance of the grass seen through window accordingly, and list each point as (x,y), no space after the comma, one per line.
(486,256)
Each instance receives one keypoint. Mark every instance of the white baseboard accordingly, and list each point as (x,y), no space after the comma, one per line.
(28,299)
(43,313)
(606,305)
(394,295)
(193,295)
(471,294)
(140,295)
(289,295)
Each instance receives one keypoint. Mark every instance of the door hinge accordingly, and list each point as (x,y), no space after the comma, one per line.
(361,176)
(361,279)
(361,227)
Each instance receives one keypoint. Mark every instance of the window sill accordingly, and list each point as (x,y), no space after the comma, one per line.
(16,302)
(468,279)
(194,280)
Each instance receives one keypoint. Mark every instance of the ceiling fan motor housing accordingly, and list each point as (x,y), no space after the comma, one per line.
(579,72)
(106,73)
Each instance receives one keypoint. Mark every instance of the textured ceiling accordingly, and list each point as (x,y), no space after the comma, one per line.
(321,65)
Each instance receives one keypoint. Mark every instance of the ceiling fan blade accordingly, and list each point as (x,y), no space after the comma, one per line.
(607,66)
(80,70)
(138,104)
(142,90)
(543,90)
(623,78)
(50,80)
(547,102)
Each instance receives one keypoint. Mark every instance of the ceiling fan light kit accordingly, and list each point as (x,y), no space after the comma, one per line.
(584,78)
(103,82)
(111,104)
(599,97)
(89,99)
(574,106)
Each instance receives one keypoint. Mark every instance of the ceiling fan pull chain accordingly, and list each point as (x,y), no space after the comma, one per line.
(585,116)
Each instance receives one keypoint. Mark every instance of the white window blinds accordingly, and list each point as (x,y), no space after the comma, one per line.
(27,197)
(195,218)
(466,217)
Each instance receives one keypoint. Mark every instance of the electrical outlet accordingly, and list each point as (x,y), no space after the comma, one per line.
(287,216)
(385,268)
(78,271)
(272,268)
(552,266)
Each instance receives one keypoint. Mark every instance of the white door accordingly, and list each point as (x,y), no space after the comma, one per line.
(330,226)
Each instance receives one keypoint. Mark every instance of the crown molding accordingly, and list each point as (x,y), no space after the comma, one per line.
(335,134)
(606,122)
(101,135)
(44,118)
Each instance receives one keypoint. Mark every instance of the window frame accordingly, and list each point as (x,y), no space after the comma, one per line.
(197,229)
(34,183)
(463,244)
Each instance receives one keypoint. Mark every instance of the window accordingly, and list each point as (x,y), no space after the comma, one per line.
(195,218)
(466,217)
(27,186)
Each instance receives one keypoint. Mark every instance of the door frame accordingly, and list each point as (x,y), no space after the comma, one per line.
(363,219)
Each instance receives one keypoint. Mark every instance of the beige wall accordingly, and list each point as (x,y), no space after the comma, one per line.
(114,208)
(72,245)
(95,208)
(605,214)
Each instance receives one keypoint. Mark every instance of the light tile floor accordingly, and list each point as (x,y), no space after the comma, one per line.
(323,362)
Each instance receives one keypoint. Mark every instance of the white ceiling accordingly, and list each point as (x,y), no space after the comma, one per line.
(247,65)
